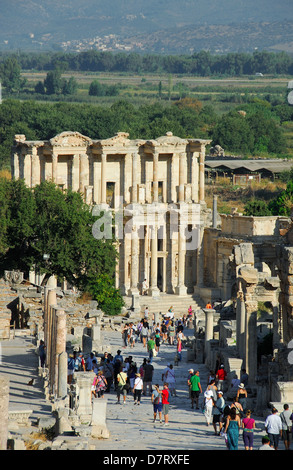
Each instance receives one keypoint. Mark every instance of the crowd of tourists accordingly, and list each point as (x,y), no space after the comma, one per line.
(227,411)
(224,408)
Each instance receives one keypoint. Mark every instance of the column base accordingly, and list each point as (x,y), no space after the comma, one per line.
(154,292)
(133,291)
(181,290)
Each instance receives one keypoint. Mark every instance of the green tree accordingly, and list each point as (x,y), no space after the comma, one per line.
(283,204)
(53,82)
(257,208)
(108,297)
(232,132)
(10,75)
(47,220)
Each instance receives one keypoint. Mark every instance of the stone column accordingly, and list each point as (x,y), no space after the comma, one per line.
(62,375)
(181,197)
(134,177)
(35,170)
(50,301)
(215,211)
(181,288)
(15,165)
(201,173)
(155,177)
(251,340)
(134,274)
(54,167)
(240,324)
(103,178)
(60,343)
(75,173)
(194,178)
(153,290)
(83,173)
(200,261)
(209,324)
(4,407)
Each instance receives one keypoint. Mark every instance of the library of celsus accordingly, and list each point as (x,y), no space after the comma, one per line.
(159,186)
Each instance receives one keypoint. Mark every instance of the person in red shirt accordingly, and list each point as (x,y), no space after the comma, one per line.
(221,377)
(166,403)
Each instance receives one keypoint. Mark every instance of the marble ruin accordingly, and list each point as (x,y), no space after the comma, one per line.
(152,182)
(238,263)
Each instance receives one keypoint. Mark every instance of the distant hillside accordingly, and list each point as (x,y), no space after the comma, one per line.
(245,37)
(43,24)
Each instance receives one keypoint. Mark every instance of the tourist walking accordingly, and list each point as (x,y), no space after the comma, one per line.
(101,384)
(122,385)
(166,403)
(242,396)
(179,348)
(151,348)
(144,333)
(208,406)
(217,412)
(148,372)
(248,424)
(164,332)
(171,332)
(232,429)
(170,378)
(42,353)
(221,375)
(137,389)
(124,333)
(157,402)
(157,340)
(238,407)
(195,389)
(108,370)
(273,425)
(286,426)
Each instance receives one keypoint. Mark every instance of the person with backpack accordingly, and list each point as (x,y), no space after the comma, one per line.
(157,402)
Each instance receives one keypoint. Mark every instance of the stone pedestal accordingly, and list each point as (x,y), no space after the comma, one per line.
(98,423)
(84,381)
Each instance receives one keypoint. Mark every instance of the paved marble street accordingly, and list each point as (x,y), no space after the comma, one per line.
(131,426)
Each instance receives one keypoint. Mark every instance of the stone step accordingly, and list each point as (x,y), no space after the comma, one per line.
(162,304)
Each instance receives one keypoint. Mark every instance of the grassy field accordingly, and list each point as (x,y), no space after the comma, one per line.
(223,93)
(232,196)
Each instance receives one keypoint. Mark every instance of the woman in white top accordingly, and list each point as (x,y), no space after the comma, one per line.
(137,389)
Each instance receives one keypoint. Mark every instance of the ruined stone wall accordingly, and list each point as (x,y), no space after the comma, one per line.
(7,296)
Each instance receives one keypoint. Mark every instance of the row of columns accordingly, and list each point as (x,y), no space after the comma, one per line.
(29,166)
(181,289)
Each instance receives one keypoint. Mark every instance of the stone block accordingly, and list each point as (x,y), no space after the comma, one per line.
(98,423)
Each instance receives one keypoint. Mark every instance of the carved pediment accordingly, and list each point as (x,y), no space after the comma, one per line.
(70,139)
(121,139)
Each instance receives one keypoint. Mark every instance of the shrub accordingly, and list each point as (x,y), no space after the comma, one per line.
(257,208)
(108,297)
